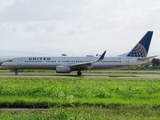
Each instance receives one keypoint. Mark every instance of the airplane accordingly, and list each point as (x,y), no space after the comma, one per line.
(65,64)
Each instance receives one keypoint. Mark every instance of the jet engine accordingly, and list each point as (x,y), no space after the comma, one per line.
(63,69)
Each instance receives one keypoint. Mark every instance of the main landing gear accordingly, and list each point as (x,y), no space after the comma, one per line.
(16,72)
(79,73)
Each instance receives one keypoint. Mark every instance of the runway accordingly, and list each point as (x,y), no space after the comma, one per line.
(54,75)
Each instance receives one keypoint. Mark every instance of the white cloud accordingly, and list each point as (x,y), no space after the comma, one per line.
(5,3)
(76,27)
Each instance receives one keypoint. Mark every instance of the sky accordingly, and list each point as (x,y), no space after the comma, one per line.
(76,27)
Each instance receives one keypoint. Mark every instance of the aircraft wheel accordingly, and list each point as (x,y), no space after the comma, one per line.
(79,73)
(16,73)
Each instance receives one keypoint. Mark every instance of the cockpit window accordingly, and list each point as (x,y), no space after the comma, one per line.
(9,61)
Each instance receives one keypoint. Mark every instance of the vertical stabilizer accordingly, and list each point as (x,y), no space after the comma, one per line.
(142,47)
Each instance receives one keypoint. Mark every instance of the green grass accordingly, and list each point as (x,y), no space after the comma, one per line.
(81,98)
(86,113)
(47,92)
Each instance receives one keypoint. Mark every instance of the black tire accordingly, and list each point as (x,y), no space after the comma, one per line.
(16,73)
(79,73)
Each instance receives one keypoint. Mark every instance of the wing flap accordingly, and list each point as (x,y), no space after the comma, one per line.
(87,64)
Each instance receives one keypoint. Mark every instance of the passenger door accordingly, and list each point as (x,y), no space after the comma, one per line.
(19,61)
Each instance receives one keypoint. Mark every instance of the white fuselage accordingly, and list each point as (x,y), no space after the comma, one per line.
(51,62)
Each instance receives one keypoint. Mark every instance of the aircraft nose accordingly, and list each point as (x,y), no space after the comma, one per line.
(3,65)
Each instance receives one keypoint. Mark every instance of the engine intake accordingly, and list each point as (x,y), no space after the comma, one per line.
(63,69)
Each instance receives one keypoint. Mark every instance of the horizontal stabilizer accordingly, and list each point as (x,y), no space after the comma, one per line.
(147,58)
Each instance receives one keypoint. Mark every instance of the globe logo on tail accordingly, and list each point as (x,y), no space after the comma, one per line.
(138,51)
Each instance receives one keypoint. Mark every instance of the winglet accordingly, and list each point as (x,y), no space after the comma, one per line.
(102,56)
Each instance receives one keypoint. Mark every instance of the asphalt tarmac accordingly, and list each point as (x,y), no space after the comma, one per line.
(45,75)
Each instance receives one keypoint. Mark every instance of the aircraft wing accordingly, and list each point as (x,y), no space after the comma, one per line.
(87,64)
(147,58)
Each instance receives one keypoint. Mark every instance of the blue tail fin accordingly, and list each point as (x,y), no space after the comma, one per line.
(141,49)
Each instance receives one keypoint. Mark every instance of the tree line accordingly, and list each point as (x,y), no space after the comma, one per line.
(155,62)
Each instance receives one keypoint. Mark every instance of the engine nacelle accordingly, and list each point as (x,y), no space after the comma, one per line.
(63,69)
